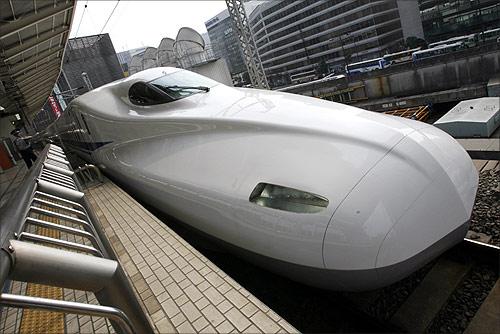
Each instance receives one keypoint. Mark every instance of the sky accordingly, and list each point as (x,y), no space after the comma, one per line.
(141,23)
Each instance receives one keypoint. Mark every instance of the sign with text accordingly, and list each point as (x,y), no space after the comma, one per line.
(54,106)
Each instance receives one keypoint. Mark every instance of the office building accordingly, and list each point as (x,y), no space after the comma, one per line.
(322,36)
(225,44)
(445,19)
(89,62)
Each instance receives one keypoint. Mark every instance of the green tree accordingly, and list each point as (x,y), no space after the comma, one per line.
(413,42)
(322,69)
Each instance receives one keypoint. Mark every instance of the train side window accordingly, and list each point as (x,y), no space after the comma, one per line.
(288,199)
(144,94)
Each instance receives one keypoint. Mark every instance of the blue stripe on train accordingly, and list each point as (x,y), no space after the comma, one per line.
(86,146)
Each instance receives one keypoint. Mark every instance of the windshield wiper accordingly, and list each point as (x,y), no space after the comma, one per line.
(203,88)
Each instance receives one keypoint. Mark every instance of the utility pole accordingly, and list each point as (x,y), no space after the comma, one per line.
(248,46)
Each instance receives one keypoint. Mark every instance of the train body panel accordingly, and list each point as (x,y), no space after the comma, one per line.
(337,188)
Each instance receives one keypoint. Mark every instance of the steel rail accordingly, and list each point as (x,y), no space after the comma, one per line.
(60,207)
(63,228)
(59,242)
(63,200)
(113,313)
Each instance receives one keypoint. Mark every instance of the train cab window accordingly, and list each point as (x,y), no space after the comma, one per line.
(288,199)
(144,94)
(181,84)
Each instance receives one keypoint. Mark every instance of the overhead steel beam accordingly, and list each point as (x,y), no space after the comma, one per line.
(34,41)
(37,85)
(29,84)
(38,69)
(39,97)
(34,103)
(16,69)
(37,75)
(11,28)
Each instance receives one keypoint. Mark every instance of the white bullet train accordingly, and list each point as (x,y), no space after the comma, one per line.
(327,194)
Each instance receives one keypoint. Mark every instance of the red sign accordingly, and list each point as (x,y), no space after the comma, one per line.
(55,106)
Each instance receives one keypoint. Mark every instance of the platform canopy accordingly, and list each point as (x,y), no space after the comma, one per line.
(472,118)
(33,34)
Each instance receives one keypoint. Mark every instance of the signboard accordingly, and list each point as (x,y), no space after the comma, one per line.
(54,106)
(57,91)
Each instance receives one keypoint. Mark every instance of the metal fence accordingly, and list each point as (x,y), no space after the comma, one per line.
(48,236)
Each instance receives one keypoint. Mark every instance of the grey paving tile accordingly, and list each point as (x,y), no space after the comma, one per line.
(202,303)
(238,319)
(178,319)
(213,315)
(182,290)
(266,324)
(170,308)
(225,327)
(236,298)
(165,326)
(190,311)
(185,328)
(200,324)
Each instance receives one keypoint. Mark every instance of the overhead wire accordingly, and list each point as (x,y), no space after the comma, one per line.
(109,17)
(103,27)
(81,18)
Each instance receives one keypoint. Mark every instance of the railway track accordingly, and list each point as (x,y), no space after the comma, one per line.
(458,292)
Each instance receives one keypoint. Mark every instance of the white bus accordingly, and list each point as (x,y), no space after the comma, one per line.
(439,50)
(365,66)
(399,57)
(467,41)
(303,77)
(489,35)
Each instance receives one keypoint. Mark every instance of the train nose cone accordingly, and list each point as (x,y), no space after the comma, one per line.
(439,216)
(412,205)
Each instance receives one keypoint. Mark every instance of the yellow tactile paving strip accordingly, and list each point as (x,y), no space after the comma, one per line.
(37,321)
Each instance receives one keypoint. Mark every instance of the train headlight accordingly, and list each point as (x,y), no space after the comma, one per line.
(287,199)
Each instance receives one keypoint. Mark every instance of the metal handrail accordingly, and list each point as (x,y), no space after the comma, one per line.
(68,307)
(59,216)
(41,193)
(51,178)
(59,242)
(60,207)
(86,167)
(62,176)
(55,158)
(62,228)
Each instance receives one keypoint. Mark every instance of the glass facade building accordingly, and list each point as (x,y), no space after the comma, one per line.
(445,19)
(225,44)
(300,36)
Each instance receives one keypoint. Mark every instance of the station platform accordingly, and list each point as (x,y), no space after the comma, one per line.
(482,148)
(179,288)
(9,179)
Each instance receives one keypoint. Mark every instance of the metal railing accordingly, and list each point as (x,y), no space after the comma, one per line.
(88,174)
(50,198)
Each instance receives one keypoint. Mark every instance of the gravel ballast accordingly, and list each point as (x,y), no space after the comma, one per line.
(486,213)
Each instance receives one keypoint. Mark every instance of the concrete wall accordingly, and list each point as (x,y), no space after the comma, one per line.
(452,77)
(410,18)
(442,75)
(6,126)
(215,70)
